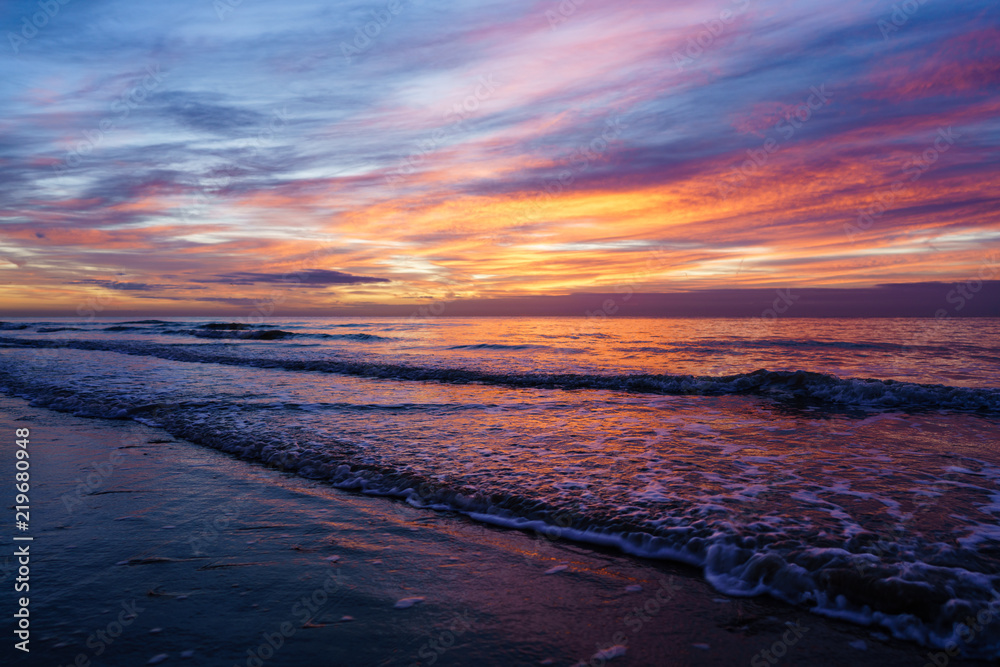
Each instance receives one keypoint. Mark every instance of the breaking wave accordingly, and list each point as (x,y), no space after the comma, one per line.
(806,386)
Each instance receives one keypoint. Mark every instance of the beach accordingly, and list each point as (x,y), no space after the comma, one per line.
(500,333)
(521,490)
(148,546)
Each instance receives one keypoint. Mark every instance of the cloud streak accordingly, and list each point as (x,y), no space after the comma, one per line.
(303,278)
(490,150)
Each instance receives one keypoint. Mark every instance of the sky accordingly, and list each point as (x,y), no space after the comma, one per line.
(200,156)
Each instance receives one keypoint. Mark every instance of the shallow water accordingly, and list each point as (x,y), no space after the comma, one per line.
(859,475)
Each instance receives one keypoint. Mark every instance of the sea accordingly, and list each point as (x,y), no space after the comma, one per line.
(850,467)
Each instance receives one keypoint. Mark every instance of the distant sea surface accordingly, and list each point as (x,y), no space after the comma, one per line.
(851,467)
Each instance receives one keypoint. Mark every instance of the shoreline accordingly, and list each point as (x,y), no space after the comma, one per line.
(188,549)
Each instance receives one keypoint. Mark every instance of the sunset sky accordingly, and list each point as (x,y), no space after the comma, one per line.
(204,155)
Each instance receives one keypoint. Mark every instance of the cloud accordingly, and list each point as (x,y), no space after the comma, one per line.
(125,286)
(205,112)
(301,278)
(411,167)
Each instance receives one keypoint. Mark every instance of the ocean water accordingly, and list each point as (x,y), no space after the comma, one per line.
(851,467)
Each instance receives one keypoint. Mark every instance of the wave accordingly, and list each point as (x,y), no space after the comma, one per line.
(274,334)
(150,322)
(231,330)
(11,326)
(204,331)
(500,346)
(801,386)
(836,344)
(855,577)
(232,326)
(735,345)
(238,334)
(350,336)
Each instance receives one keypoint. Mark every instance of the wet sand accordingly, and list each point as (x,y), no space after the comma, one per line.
(146,546)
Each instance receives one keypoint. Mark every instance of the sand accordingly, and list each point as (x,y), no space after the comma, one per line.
(151,550)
